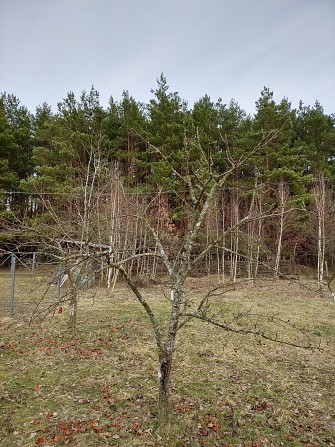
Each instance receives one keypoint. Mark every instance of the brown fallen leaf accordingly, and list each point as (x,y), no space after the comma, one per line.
(203,431)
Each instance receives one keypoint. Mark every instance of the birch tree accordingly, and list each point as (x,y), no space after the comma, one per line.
(283,197)
(319,195)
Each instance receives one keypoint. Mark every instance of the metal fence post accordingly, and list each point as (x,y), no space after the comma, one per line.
(33,263)
(11,308)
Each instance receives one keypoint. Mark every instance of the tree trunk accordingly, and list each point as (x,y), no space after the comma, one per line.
(320,203)
(166,353)
(75,279)
(282,200)
(321,249)
(164,371)
(73,309)
(234,237)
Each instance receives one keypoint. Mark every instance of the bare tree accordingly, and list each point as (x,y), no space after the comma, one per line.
(254,232)
(202,183)
(319,195)
(283,195)
(203,186)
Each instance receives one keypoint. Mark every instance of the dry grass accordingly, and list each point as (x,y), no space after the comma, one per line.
(99,388)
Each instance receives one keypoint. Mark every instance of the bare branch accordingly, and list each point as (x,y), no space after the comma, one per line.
(256,332)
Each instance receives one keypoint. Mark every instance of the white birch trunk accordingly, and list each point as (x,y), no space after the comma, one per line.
(320,204)
(282,200)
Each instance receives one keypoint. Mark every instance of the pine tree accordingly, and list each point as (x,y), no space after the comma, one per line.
(16,136)
(315,134)
(166,132)
(125,130)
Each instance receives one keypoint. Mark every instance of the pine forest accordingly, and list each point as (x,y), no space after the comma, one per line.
(104,176)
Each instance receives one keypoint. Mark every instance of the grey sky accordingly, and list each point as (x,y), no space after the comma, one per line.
(225,48)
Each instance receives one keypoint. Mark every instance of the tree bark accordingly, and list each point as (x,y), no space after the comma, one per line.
(73,309)
(164,372)
(320,202)
(283,194)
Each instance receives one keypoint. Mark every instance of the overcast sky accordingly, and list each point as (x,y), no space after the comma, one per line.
(225,48)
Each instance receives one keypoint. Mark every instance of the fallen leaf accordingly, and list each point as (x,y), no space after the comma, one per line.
(260,407)
(36,421)
(106,434)
(256,444)
(203,431)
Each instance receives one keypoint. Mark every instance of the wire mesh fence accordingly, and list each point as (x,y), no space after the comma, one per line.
(24,286)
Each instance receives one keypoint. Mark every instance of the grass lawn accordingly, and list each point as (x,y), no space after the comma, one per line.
(99,388)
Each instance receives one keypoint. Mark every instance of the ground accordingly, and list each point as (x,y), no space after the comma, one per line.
(99,387)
